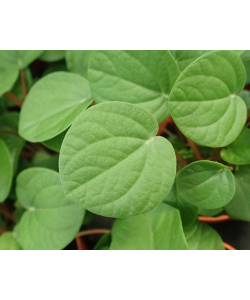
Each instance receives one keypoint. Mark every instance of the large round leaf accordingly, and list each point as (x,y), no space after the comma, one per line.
(238,152)
(239,207)
(8,242)
(205,238)
(206,184)
(78,61)
(51,220)
(112,163)
(159,229)
(143,77)
(52,105)
(52,55)
(204,102)
(8,76)
(5,171)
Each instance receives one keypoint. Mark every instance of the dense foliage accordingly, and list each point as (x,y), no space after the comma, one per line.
(154,139)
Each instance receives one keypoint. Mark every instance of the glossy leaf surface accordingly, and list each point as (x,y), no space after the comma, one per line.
(8,242)
(204,102)
(5,171)
(112,163)
(51,220)
(143,77)
(206,184)
(159,229)
(52,104)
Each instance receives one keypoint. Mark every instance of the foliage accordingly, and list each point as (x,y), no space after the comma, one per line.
(83,142)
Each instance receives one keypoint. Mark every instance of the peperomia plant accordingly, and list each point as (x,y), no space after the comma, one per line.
(147,145)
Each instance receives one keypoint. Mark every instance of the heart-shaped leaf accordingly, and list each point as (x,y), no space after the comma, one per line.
(78,61)
(205,238)
(8,242)
(239,207)
(112,163)
(206,184)
(52,105)
(51,220)
(5,171)
(143,77)
(159,229)
(204,102)
(238,152)
(52,55)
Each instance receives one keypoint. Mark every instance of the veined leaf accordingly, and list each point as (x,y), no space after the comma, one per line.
(52,55)
(52,105)
(239,207)
(143,77)
(5,171)
(112,163)
(206,184)
(159,229)
(78,61)
(204,102)
(51,220)
(8,242)
(238,152)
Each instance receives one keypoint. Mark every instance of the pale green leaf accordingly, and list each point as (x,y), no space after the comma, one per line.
(56,142)
(8,76)
(143,77)
(45,160)
(112,163)
(5,171)
(52,105)
(52,55)
(77,61)
(205,238)
(159,229)
(210,212)
(238,152)
(8,242)
(206,184)
(204,102)
(51,220)
(239,207)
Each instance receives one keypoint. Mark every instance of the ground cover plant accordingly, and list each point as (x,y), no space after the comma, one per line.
(123,150)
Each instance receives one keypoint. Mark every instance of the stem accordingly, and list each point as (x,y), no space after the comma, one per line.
(80,244)
(220,219)
(92,231)
(195,148)
(179,133)
(180,159)
(228,247)
(166,130)
(24,87)
(9,132)
(14,99)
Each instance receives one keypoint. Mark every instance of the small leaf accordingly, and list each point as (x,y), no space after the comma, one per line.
(8,76)
(52,55)
(45,160)
(210,212)
(245,95)
(205,238)
(239,207)
(206,184)
(56,142)
(78,61)
(51,220)
(188,211)
(204,102)
(52,104)
(5,171)
(112,163)
(143,77)
(8,242)
(159,229)
(238,152)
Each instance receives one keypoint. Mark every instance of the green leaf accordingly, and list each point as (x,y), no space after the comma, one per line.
(246,61)
(55,67)
(45,160)
(8,133)
(206,184)
(104,242)
(52,55)
(204,102)
(159,229)
(8,242)
(52,105)
(51,220)
(8,76)
(188,211)
(5,171)
(19,58)
(245,95)
(56,142)
(205,238)
(239,207)
(238,152)
(17,89)
(112,163)
(77,61)
(210,212)
(190,229)
(143,77)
